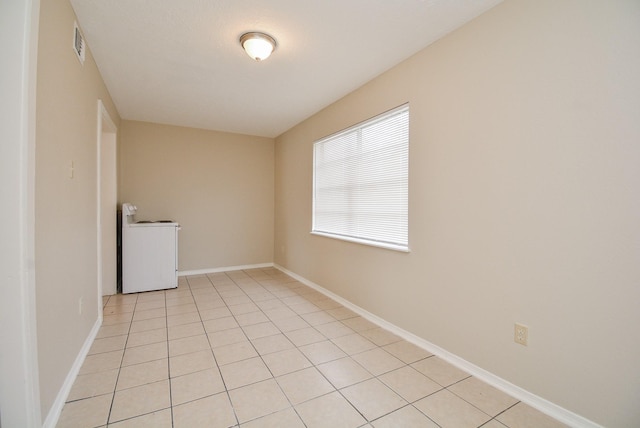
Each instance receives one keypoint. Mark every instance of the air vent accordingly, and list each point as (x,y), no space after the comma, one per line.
(78,43)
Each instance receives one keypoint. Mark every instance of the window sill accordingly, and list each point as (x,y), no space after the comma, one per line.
(384,245)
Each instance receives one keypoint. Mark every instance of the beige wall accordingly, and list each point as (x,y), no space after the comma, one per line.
(65,208)
(524,201)
(218,186)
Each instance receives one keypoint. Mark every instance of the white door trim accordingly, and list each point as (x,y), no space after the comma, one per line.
(19,376)
(105,125)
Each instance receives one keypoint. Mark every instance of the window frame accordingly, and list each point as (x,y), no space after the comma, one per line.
(358,127)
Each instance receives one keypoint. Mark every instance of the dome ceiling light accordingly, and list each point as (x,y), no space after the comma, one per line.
(258,45)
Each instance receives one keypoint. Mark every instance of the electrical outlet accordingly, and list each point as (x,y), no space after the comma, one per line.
(80,302)
(521,334)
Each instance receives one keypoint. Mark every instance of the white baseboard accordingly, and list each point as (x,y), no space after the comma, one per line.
(223,269)
(63,393)
(559,413)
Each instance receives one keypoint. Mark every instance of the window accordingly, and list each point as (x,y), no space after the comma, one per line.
(361,182)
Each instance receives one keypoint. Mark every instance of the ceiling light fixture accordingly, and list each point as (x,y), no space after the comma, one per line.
(258,45)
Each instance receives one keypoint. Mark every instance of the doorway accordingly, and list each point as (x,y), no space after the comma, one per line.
(107,204)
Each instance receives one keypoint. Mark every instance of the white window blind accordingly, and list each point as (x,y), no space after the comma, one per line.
(361,182)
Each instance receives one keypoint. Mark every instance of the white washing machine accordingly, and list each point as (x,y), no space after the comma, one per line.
(149,253)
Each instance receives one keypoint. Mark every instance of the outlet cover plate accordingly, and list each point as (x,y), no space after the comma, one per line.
(521,334)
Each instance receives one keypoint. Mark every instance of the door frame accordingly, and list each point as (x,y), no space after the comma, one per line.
(19,375)
(105,126)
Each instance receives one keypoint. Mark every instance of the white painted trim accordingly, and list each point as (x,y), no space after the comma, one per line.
(19,378)
(394,247)
(104,124)
(223,269)
(99,199)
(63,393)
(559,413)
(31,332)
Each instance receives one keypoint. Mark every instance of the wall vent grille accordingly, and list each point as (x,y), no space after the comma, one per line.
(79,45)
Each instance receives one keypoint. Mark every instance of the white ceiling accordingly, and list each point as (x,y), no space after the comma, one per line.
(179,62)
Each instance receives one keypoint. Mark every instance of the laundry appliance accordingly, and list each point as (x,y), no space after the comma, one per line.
(149,253)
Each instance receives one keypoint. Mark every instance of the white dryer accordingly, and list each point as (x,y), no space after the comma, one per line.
(149,253)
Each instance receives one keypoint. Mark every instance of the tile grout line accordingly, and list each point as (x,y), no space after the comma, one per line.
(226,390)
(335,389)
(124,350)
(257,352)
(166,322)
(283,294)
(270,371)
(315,366)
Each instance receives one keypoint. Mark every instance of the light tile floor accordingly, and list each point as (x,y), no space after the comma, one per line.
(256,349)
